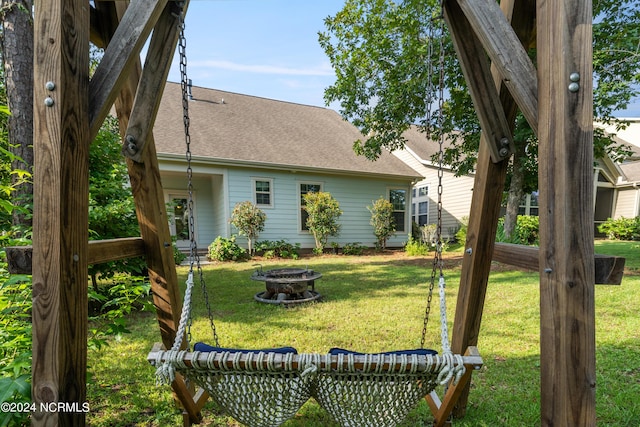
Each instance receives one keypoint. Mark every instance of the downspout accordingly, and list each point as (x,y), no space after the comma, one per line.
(637,204)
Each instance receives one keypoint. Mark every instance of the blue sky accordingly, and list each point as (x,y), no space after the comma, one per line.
(266,48)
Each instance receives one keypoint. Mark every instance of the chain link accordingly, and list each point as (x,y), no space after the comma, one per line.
(194,257)
(436,33)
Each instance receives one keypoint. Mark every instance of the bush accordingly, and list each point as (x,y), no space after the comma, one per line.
(621,228)
(15,345)
(223,249)
(354,248)
(527,229)
(323,211)
(384,225)
(416,247)
(278,249)
(461,234)
(249,220)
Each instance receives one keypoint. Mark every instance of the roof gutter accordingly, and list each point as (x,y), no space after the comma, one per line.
(281,167)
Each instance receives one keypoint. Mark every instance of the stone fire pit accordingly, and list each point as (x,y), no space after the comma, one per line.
(287,285)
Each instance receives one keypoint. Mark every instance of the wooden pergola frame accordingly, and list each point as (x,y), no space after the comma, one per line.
(69,108)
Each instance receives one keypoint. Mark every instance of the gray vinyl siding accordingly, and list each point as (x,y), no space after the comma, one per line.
(456,193)
(627,202)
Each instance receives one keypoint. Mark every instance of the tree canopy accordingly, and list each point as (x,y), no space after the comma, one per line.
(381,51)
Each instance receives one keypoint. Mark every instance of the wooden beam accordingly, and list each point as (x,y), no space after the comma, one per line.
(609,270)
(507,54)
(565,176)
(19,257)
(151,211)
(119,58)
(496,129)
(442,409)
(61,206)
(485,207)
(153,80)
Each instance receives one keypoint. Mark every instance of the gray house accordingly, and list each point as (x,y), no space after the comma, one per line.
(616,186)
(271,153)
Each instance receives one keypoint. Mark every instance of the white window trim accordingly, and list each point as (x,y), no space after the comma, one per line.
(271,191)
(298,196)
(407,205)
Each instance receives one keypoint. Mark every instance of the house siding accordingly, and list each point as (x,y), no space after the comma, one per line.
(353,194)
(207,222)
(456,193)
(627,203)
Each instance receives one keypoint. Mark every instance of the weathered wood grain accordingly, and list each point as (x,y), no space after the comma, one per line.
(609,270)
(485,211)
(19,258)
(60,217)
(119,58)
(151,86)
(475,66)
(507,54)
(565,175)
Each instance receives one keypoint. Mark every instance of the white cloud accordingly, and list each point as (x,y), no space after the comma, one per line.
(322,70)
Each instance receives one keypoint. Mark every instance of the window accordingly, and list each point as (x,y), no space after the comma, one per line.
(421,200)
(305,188)
(398,199)
(263,192)
(178,215)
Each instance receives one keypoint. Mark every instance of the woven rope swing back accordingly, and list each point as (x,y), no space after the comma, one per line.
(262,388)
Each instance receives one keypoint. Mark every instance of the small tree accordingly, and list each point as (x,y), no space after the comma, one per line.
(249,220)
(324,212)
(384,225)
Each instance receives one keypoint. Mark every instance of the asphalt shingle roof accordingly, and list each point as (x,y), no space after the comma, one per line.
(231,128)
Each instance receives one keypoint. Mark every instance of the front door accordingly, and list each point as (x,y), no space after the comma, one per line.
(178,211)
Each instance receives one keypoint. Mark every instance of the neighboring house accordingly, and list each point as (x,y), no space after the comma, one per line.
(616,186)
(271,153)
(456,191)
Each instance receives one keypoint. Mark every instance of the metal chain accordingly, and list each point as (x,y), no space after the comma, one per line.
(437,259)
(194,257)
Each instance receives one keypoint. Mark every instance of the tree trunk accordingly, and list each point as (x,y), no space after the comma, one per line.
(17,54)
(515,194)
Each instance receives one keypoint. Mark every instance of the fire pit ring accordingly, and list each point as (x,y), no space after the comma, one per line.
(287,285)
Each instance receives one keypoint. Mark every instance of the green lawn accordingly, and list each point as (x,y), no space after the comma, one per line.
(376,303)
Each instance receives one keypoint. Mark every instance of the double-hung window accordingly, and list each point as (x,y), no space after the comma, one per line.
(263,192)
(304,188)
(398,198)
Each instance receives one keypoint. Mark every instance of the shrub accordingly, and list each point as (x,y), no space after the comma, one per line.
(278,249)
(416,247)
(621,228)
(108,307)
(461,234)
(527,229)
(323,211)
(384,225)
(354,248)
(223,249)
(249,220)
(15,345)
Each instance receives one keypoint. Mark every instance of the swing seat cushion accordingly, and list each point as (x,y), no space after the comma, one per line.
(208,348)
(418,351)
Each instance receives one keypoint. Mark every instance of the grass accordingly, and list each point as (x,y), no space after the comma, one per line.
(376,303)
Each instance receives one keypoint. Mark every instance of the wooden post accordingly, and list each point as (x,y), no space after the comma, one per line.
(60,220)
(567,311)
(485,211)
